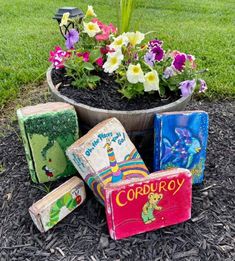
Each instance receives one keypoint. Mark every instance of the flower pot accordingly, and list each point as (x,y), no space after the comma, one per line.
(138,123)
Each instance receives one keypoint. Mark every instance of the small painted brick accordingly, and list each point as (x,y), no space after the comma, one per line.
(56,205)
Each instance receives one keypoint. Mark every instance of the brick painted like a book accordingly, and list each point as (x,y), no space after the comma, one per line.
(56,205)
(181,141)
(161,199)
(47,130)
(106,155)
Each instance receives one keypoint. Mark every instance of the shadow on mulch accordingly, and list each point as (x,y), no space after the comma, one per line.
(83,235)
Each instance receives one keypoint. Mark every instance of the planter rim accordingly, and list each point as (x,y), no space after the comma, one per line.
(95,109)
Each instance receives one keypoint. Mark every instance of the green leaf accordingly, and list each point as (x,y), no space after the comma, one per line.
(94,55)
(126,93)
(93,78)
(173,87)
(162,90)
(124,14)
(132,90)
(88,66)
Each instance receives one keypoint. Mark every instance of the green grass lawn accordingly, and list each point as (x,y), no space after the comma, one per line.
(204,28)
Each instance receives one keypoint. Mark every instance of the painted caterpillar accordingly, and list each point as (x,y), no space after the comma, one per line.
(70,200)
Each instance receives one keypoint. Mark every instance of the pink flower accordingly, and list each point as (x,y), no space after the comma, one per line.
(84,55)
(105,29)
(106,49)
(58,57)
(99,62)
(102,37)
(100,24)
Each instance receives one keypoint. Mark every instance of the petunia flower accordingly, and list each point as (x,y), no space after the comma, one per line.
(158,53)
(187,87)
(203,86)
(58,57)
(90,11)
(106,30)
(179,62)
(64,19)
(118,42)
(91,28)
(155,42)
(149,58)
(174,53)
(113,61)
(191,60)
(135,38)
(134,73)
(85,56)
(99,62)
(106,49)
(151,82)
(169,72)
(72,37)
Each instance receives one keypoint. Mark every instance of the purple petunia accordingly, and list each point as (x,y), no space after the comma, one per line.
(149,58)
(169,72)
(203,86)
(179,62)
(187,87)
(72,37)
(158,53)
(155,42)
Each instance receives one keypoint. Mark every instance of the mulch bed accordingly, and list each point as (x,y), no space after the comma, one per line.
(83,235)
(111,99)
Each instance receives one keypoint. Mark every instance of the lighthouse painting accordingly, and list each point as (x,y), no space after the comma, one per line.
(106,155)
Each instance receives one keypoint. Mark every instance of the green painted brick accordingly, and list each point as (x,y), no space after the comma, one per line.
(47,131)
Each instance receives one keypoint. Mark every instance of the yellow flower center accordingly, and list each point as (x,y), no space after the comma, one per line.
(113,60)
(136,70)
(119,41)
(91,27)
(133,40)
(151,77)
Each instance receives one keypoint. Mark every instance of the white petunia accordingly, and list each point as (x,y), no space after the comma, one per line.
(90,11)
(134,73)
(135,38)
(64,19)
(91,28)
(113,61)
(151,82)
(118,42)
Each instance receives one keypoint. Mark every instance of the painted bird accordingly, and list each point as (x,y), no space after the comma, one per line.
(184,149)
(48,171)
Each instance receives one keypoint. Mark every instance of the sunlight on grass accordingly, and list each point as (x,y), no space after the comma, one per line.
(203,28)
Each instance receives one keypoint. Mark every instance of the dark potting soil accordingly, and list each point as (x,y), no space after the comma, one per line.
(83,235)
(106,95)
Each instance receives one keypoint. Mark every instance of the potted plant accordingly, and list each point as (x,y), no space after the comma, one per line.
(108,72)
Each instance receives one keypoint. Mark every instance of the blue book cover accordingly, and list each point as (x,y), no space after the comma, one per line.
(180,140)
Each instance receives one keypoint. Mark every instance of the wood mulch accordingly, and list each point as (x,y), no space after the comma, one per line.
(83,235)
